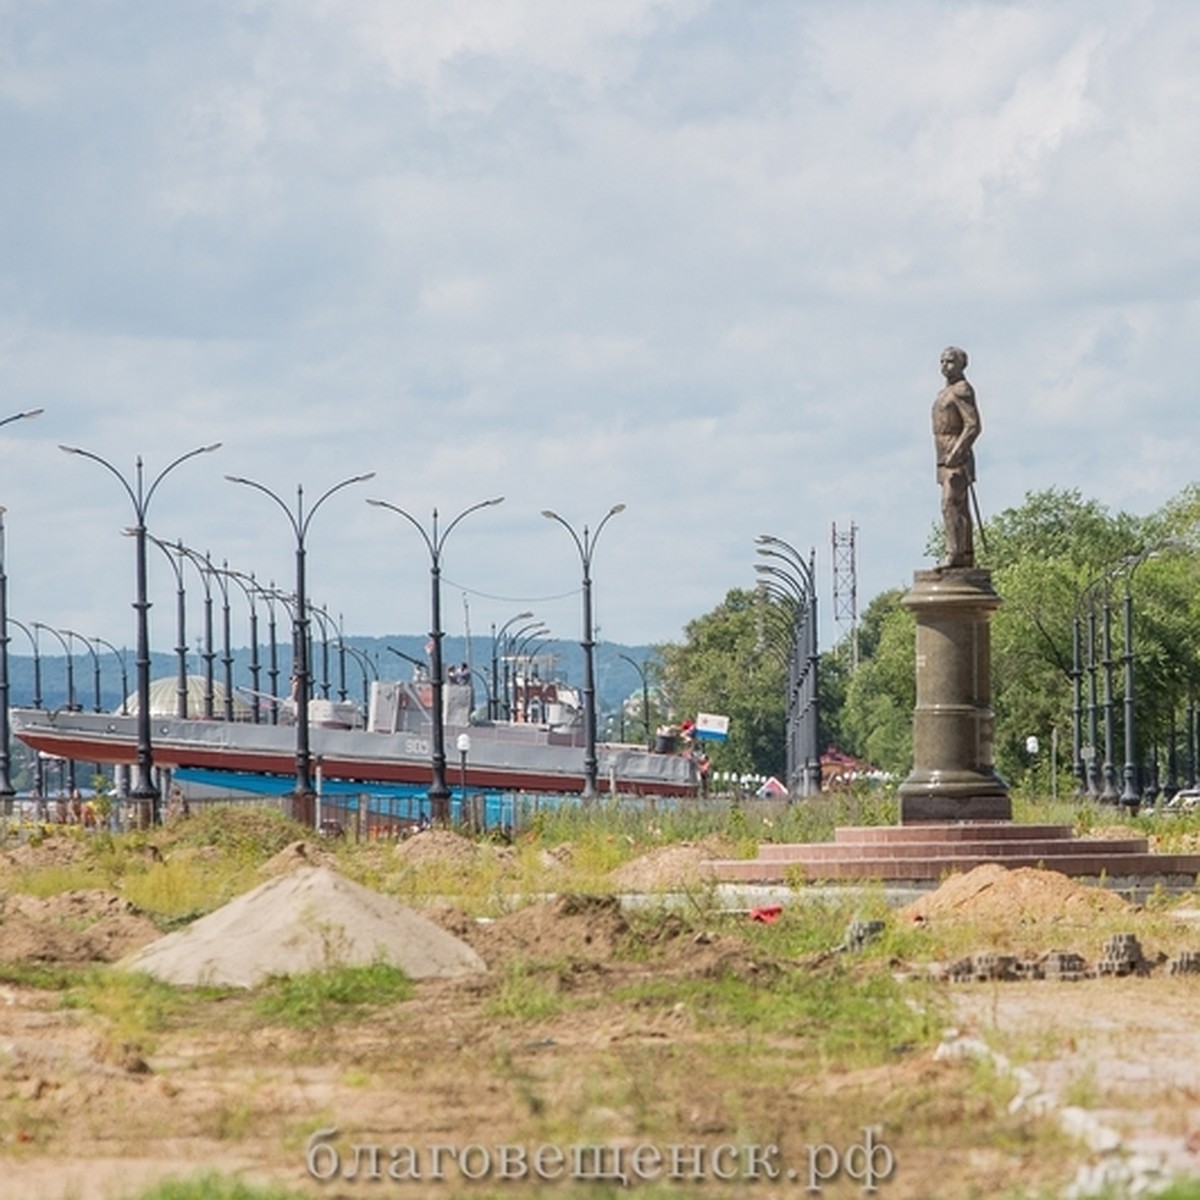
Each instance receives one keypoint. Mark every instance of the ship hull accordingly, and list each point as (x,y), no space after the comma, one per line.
(506,757)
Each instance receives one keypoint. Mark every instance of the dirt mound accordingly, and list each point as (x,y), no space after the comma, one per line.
(445,847)
(304,920)
(592,930)
(993,892)
(298,854)
(667,867)
(58,849)
(572,926)
(72,927)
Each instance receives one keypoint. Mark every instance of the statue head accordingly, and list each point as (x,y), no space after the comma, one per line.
(955,355)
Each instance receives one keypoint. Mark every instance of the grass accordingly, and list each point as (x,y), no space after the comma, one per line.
(132,1008)
(336,995)
(216,1187)
(745,1042)
(527,992)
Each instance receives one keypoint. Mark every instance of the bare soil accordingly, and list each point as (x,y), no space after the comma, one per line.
(562,1042)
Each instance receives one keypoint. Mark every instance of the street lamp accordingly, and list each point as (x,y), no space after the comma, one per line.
(249,589)
(439,793)
(71,707)
(144,789)
(70,633)
(300,521)
(175,558)
(119,655)
(39,776)
(804,714)
(586,546)
(209,653)
(369,672)
(1130,798)
(510,668)
(494,698)
(640,668)
(7,791)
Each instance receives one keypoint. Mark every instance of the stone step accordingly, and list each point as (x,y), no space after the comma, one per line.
(1000,851)
(1090,862)
(941,831)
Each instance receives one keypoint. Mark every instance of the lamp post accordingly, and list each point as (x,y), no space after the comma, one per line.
(144,789)
(804,714)
(510,669)
(7,791)
(1130,797)
(300,520)
(497,638)
(640,668)
(323,619)
(209,653)
(464,748)
(175,558)
(70,633)
(71,706)
(39,769)
(586,546)
(522,660)
(119,655)
(369,672)
(439,793)
(249,590)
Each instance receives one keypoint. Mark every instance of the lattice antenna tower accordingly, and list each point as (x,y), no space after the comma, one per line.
(845,585)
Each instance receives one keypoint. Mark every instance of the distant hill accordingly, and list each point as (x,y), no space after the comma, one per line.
(615,679)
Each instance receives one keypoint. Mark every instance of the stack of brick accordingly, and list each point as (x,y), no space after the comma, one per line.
(1122,956)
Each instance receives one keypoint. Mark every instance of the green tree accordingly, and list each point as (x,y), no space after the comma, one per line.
(876,719)
(728,663)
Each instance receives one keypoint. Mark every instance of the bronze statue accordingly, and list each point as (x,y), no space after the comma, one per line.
(956,425)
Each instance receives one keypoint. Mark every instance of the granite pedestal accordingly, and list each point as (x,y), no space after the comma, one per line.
(953,777)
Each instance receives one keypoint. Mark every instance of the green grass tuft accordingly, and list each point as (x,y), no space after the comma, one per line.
(338,994)
(216,1187)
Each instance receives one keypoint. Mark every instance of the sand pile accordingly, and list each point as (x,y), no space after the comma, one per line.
(297,854)
(446,847)
(90,925)
(993,892)
(305,920)
(668,867)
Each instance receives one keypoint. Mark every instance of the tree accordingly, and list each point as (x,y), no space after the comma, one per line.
(876,719)
(727,665)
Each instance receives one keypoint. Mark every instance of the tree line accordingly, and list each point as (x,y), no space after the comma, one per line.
(1070,573)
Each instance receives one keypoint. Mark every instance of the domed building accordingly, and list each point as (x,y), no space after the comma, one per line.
(164,699)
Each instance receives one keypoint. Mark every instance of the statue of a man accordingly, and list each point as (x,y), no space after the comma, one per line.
(956,425)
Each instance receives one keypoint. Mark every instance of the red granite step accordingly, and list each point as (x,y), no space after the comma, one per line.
(936,831)
(1000,851)
(934,867)
(930,851)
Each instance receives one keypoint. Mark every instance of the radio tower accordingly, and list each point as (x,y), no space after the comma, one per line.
(845,586)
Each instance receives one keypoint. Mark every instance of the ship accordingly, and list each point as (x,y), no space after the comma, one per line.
(386,747)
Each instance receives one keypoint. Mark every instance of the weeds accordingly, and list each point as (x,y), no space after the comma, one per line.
(338,994)
(133,1008)
(527,993)
(216,1187)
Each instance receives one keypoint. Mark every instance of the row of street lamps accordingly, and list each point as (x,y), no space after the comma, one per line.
(144,790)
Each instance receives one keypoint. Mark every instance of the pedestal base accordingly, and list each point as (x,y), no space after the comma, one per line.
(953,776)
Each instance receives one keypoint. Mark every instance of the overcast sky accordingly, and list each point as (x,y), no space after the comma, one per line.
(698,257)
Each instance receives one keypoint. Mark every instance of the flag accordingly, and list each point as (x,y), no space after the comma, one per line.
(711,727)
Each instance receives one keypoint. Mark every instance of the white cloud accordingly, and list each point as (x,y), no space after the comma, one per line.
(699,257)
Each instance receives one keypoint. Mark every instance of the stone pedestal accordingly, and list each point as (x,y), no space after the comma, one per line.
(953,776)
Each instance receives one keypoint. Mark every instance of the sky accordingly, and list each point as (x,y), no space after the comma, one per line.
(695,257)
